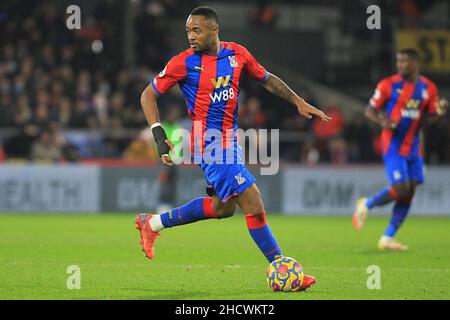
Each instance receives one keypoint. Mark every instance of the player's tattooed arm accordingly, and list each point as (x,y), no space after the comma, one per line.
(277,86)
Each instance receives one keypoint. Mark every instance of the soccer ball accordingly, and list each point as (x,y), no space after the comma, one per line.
(284,274)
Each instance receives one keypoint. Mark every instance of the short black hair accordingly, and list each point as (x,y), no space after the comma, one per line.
(410,52)
(207,12)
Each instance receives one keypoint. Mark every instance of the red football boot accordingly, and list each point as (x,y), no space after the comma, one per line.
(308,281)
(148,236)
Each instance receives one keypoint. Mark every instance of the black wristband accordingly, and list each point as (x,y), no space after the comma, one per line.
(160,139)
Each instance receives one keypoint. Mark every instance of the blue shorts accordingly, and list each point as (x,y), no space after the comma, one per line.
(400,168)
(228,180)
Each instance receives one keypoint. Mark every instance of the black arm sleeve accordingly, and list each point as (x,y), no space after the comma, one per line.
(160,139)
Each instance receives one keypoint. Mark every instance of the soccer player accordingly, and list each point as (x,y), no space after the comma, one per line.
(399,105)
(208,75)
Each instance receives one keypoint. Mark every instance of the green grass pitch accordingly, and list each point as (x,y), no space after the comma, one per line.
(216,259)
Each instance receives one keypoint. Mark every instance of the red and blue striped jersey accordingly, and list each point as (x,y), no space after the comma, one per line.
(405,103)
(210,84)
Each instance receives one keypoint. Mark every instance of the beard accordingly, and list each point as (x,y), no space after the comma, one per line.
(407,74)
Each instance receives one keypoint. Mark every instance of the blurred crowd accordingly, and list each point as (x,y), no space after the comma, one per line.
(53,79)
(69,95)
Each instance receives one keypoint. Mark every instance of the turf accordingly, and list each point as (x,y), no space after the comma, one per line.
(216,259)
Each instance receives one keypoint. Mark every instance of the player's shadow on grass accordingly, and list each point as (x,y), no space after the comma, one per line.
(182,294)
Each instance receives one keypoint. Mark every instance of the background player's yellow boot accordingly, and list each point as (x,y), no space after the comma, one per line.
(388,243)
(361,213)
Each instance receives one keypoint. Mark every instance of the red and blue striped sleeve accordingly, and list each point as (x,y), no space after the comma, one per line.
(252,67)
(173,72)
(381,95)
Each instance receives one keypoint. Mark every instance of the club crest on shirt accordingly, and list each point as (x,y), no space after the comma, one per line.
(233,62)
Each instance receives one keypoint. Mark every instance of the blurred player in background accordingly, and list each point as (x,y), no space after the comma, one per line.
(399,105)
(208,74)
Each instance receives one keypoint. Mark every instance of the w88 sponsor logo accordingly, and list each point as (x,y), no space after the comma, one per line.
(222,95)
(411,114)
(412,109)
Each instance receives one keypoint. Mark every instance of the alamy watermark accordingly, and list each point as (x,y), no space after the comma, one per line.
(374,20)
(73,21)
(73,282)
(214,146)
(374,280)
